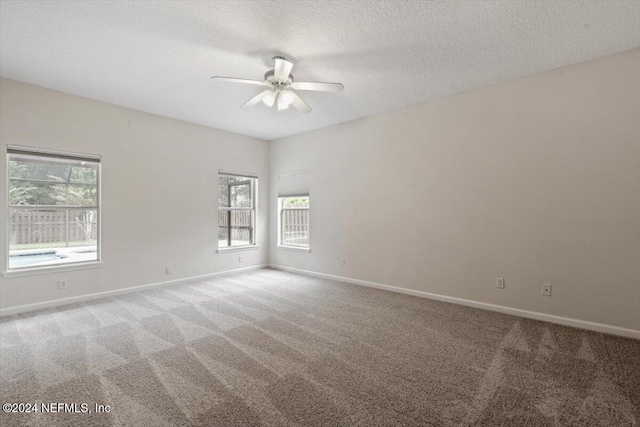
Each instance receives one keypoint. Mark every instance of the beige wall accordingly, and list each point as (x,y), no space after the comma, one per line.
(159,190)
(536,180)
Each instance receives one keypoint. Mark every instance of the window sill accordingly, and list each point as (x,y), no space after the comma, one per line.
(51,269)
(294,248)
(238,248)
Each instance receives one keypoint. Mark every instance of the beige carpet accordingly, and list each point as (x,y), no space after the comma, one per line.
(278,349)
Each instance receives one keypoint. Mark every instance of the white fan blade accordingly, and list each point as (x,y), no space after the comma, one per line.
(299,104)
(235,80)
(319,86)
(282,69)
(253,101)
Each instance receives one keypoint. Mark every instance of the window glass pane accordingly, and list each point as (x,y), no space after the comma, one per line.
(81,195)
(26,167)
(294,224)
(241,195)
(49,182)
(83,175)
(29,193)
(295,202)
(41,237)
(53,212)
(234,191)
(223,191)
(236,224)
(241,228)
(223,229)
(236,216)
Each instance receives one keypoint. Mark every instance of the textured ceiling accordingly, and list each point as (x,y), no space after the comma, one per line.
(158,56)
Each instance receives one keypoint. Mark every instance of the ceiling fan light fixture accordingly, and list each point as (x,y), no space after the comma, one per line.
(269,99)
(282,106)
(280,103)
(286,97)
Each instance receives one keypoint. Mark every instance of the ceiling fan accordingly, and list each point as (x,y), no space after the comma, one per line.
(281,87)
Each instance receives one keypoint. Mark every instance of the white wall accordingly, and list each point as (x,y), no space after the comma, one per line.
(159,190)
(536,180)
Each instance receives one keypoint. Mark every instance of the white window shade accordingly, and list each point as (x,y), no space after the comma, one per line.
(293,184)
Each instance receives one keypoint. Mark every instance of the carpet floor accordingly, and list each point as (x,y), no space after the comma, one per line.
(278,349)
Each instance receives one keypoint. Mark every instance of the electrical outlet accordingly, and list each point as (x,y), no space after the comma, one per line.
(62,284)
(168,269)
(546,289)
(500,282)
(343,261)
(240,259)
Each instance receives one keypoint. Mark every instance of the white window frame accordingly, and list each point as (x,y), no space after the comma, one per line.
(281,211)
(68,266)
(254,208)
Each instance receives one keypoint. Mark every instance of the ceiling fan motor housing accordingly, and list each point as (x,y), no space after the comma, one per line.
(275,82)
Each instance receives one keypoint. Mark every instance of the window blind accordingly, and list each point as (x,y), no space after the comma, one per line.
(17,151)
(293,184)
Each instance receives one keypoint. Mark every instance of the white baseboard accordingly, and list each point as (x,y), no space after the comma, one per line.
(80,298)
(567,321)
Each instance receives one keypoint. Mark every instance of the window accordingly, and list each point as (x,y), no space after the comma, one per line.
(237,210)
(293,204)
(53,212)
(294,221)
